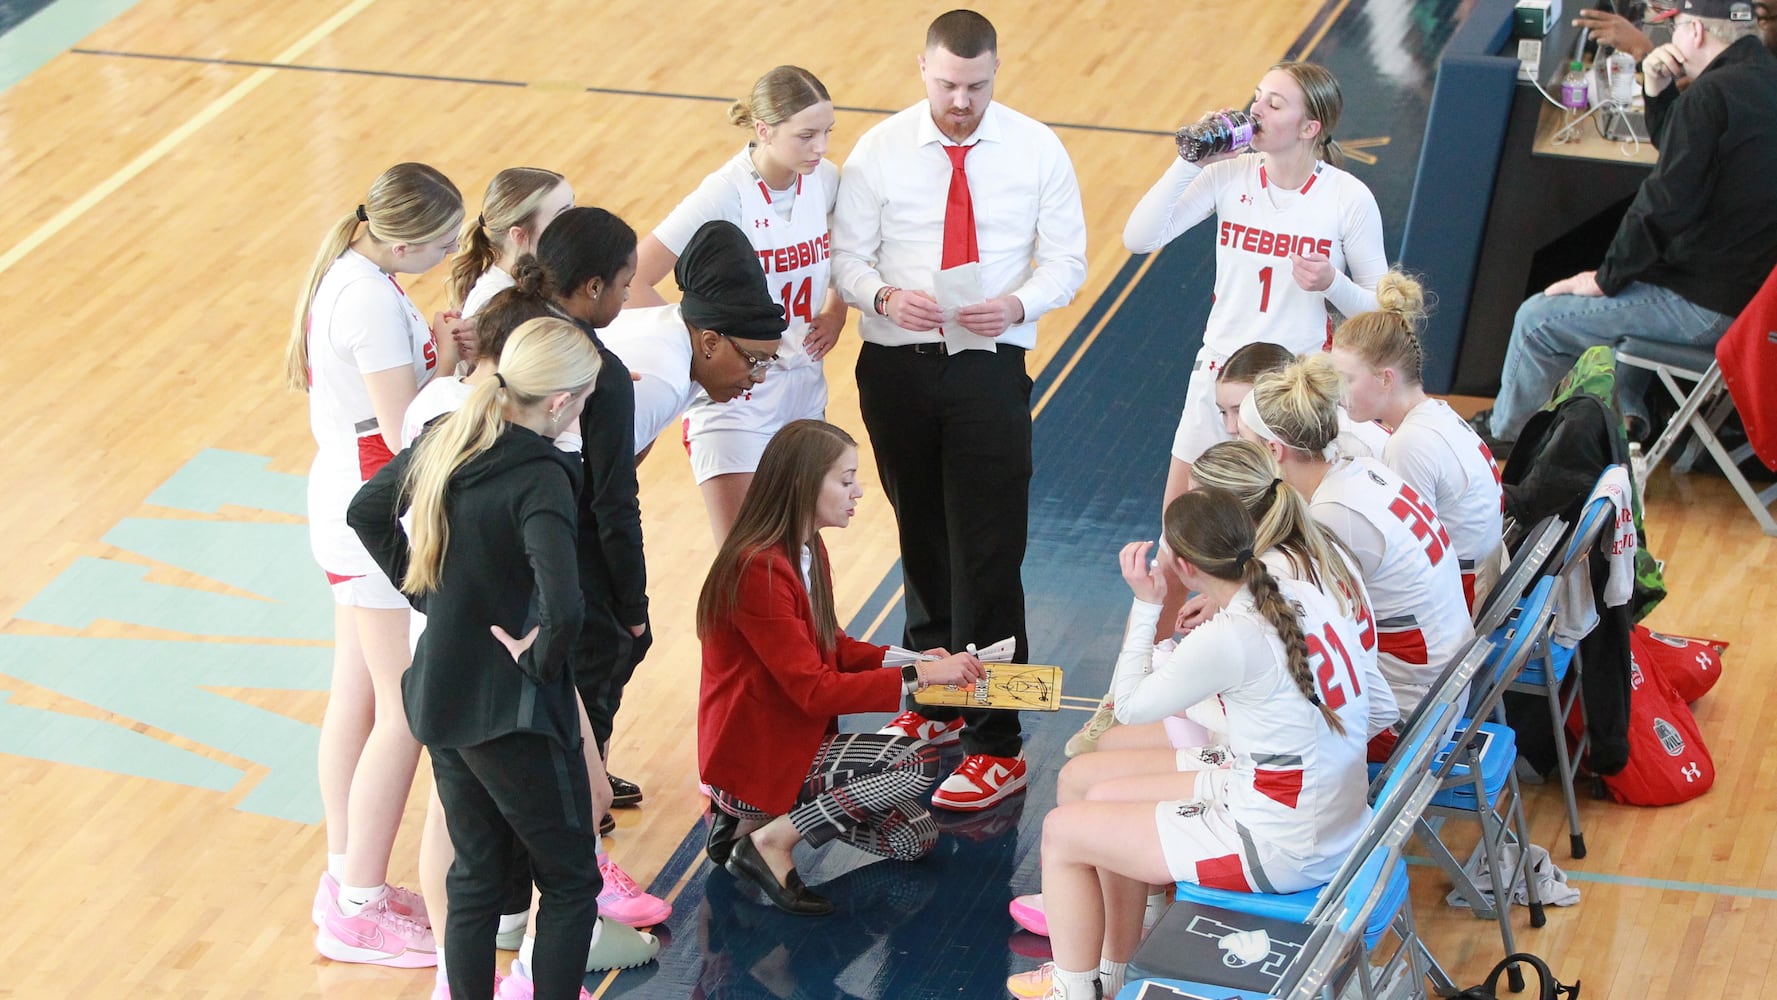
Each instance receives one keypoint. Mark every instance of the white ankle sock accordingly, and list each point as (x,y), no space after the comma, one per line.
(1077,985)
(525,949)
(1112,974)
(510,922)
(336,866)
(1157,906)
(354,898)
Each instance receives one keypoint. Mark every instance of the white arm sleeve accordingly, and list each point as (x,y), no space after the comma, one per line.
(1208,661)
(1183,196)
(1361,236)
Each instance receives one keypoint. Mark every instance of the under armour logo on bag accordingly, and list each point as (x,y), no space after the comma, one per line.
(1691,772)
(1702,661)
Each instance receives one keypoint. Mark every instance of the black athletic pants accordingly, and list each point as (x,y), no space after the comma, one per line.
(522,788)
(952,442)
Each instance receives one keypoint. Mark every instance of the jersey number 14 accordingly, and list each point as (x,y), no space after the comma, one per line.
(800,302)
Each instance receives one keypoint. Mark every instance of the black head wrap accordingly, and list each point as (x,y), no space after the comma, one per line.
(725,287)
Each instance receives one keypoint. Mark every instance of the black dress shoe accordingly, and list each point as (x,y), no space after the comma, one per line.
(723,831)
(625,794)
(744,863)
(608,825)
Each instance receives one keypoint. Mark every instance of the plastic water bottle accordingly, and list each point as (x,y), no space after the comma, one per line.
(1216,133)
(1620,77)
(1573,87)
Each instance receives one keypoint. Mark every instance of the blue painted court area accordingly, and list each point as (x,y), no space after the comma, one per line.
(939,928)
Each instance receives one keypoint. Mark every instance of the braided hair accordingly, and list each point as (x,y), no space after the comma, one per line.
(1211,530)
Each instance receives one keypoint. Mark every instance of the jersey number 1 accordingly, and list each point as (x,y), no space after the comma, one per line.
(799,304)
(1264,289)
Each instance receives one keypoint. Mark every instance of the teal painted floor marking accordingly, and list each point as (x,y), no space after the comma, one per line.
(50,32)
(168,684)
(214,477)
(1637,882)
(69,739)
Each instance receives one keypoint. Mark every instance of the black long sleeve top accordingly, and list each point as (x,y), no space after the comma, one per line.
(508,562)
(613,573)
(1704,223)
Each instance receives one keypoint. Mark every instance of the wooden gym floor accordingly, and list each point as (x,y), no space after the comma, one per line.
(163,635)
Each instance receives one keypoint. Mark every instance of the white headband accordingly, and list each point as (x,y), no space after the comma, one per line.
(1255,422)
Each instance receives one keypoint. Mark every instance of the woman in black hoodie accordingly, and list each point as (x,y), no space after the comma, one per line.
(491,691)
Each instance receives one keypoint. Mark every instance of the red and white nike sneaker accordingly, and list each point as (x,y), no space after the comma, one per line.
(916,726)
(980,782)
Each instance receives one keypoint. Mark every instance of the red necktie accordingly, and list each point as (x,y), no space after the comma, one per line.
(959,214)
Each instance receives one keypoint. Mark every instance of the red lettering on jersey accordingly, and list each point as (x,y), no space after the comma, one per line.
(1493,467)
(1251,241)
(764,259)
(430,353)
(1324,248)
(1266,240)
(1360,613)
(1417,515)
(1332,693)
(1227,229)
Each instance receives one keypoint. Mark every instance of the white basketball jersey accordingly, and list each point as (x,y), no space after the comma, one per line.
(1257,228)
(1416,596)
(360,322)
(1294,776)
(1447,462)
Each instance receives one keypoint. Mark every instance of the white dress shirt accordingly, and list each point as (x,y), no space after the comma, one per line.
(888,224)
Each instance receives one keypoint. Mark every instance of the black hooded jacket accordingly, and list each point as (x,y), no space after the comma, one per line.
(509,562)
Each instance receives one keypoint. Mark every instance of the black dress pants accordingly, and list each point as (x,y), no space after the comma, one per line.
(952,442)
(530,789)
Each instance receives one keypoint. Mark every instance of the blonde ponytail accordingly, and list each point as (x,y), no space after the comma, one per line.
(1388,337)
(511,199)
(1284,522)
(409,203)
(543,357)
(777,97)
(1300,404)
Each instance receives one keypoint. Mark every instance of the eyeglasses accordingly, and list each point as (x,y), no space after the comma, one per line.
(755,363)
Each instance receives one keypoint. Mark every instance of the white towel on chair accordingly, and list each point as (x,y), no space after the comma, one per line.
(1621,539)
(1551,882)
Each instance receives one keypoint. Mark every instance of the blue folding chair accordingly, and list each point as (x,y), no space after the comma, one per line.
(1313,941)
(1477,770)
(1553,671)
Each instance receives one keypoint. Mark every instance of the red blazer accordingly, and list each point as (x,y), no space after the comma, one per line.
(769,697)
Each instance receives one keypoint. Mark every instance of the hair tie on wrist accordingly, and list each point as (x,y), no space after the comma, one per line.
(362,217)
(500,379)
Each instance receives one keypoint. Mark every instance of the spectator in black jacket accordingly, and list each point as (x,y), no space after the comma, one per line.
(491,691)
(1701,235)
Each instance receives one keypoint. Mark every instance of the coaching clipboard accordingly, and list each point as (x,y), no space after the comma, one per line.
(1028,687)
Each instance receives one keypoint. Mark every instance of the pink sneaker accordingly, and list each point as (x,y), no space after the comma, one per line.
(625,902)
(1028,913)
(518,985)
(917,726)
(406,902)
(377,935)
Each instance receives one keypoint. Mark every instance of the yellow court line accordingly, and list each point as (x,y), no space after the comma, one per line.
(154,154)
(1325,27)
(1080,352)
(671,897)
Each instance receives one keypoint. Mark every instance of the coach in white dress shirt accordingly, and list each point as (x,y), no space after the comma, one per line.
(951,431)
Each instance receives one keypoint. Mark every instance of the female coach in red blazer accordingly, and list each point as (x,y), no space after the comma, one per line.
(778,671)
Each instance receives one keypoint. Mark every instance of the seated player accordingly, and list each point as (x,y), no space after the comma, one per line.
(1380,358)
(1279,655)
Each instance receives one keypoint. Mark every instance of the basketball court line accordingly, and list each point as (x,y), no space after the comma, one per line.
(1639,882)
(154,154)
(280,63)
